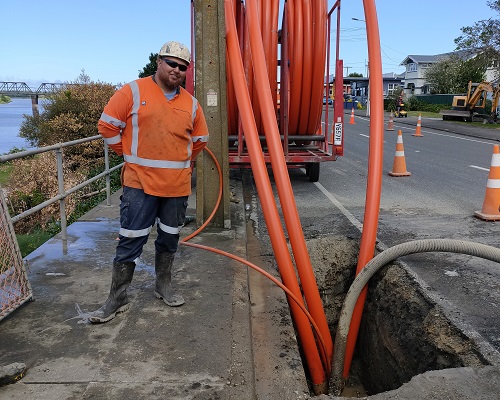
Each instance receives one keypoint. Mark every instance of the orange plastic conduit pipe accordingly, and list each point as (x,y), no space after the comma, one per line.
(307,62)
(375,163)
(319,42)
(283,185)
(269,207)
(306,23)
(219,196)
(296,31)
(273,62)
(271,278)
(269,30)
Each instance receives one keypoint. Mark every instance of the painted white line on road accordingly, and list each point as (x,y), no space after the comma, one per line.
(368,136)
(339,205)
(362,118)
(481,168)
(455,136)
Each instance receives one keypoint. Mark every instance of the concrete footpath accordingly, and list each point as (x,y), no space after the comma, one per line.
(233,339)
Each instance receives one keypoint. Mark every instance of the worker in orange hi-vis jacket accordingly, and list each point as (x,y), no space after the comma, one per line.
(159,128)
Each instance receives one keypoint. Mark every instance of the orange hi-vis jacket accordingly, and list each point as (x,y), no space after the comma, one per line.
(157,137)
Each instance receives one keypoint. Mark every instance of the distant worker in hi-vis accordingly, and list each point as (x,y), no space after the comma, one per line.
(159,128)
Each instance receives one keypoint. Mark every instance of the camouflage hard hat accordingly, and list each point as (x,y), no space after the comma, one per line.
(175,49)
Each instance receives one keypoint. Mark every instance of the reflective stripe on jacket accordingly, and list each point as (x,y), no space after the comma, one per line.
(157,137)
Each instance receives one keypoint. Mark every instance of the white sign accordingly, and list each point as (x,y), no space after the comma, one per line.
(212,98)
(337,137)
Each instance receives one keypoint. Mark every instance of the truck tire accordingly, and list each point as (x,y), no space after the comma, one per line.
(312,171)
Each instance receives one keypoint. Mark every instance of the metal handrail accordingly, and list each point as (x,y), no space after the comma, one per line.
(62,193)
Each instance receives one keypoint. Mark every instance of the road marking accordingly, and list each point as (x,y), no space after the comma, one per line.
(368,136)
(481,168)
(455,136)
(339,205)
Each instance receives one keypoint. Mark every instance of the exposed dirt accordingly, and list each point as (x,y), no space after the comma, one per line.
(403,333)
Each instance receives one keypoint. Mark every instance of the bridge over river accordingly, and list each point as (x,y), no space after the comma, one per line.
(22,89)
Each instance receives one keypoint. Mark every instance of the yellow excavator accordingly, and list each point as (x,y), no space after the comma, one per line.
(472,106)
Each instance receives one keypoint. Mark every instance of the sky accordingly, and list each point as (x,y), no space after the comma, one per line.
(111,40)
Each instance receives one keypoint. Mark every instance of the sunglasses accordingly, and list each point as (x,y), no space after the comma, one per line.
(173,64)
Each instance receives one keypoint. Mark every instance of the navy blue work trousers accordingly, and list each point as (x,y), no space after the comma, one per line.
(139,212)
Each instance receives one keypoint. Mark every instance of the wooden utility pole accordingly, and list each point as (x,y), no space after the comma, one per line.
(210,90)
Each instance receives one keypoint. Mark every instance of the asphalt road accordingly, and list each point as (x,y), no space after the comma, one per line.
(447,184)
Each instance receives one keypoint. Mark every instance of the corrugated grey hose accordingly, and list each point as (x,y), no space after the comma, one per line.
(381,259)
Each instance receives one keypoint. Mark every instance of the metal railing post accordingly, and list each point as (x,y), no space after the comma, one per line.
(62,200)
(108,177)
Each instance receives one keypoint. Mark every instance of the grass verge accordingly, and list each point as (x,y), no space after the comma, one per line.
(424,114)
(29,243)
(4,173)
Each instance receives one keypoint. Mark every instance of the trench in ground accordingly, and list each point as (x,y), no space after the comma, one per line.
(402,332)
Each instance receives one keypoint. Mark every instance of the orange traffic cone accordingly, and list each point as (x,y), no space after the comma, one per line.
(418,131)
(491,204)
(351,121)
(390,124)
(399,166)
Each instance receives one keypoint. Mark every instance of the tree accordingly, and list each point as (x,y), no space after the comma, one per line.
(483,39)
(452,74)
(355,75)
(69,114)
(150,67)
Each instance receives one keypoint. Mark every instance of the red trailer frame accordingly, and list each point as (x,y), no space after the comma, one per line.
(301,151)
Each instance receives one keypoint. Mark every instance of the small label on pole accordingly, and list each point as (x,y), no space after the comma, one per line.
(212,98)
(337,137)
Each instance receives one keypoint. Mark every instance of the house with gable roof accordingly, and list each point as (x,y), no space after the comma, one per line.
(416,66)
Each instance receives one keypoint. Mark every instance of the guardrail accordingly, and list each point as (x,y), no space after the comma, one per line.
(62,193)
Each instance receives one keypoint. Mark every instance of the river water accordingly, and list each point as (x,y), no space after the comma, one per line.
(11,117)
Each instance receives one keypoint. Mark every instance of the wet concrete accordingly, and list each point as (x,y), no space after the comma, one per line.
(205,349)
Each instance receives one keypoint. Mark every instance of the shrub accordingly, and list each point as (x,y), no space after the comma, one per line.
(415,104)
(69,114)
(33,181)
